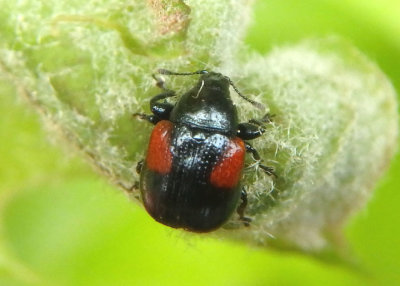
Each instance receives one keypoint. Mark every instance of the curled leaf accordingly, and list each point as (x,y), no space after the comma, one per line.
(87,68)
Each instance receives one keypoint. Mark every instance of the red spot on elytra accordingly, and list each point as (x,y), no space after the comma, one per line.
(227,172)
(159,157)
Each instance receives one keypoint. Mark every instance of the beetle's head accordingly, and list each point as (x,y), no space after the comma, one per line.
(212,82)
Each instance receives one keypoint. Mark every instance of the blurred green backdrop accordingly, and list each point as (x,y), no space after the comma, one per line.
(61,224)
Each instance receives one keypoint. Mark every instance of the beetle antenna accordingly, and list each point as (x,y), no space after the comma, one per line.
(168,72)
(253,102)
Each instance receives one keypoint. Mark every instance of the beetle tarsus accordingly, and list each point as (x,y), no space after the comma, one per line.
(150,118)
(268,170)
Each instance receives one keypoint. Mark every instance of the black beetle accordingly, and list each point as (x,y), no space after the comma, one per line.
(191,175)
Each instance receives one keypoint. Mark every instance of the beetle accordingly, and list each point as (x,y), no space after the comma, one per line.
(190,177)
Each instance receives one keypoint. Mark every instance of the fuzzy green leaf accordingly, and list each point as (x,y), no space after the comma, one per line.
(87,68)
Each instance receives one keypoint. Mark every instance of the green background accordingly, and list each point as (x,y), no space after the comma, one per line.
(62,224)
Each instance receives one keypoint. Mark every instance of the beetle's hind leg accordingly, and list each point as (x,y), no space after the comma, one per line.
(130,189)
(139,166)
(242,207)
(136,185)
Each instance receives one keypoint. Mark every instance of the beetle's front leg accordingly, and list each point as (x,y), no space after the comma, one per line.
(149,118)
(254,128)
(249,131)
(160,109)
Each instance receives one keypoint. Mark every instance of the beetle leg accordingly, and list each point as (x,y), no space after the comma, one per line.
(249,131)
(162,109)
(268,170)
(139,166)
(150,118)
(253,151)
(254,128)
(129,189)
(241,208)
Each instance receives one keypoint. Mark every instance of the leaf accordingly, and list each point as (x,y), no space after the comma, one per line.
(87,68)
